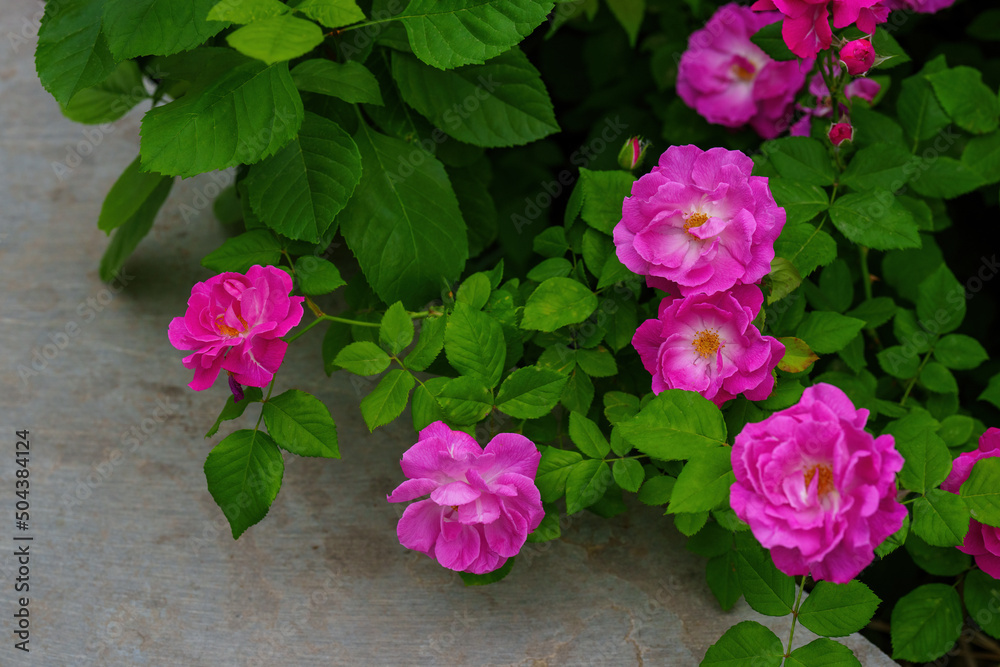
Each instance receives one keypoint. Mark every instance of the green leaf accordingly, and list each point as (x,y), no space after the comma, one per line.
(337,337)
(509,104)
(72,52)
(919,112)
(896,362)
(875,312)
(556,303)
(629,14)
(765,589)
(657,490)
(822,653)
(837,286)
(157,27)
(403,222)
(956,430)
(941,518)
(875,219)
(586,484)
(826,332)
(301,424)
(801,202)
(246,11)
(703,483)
(689,523)
(992,391)
(675,425)
(964,96)
(941,300)
(597,362)
(530,392)
(363,358)
(603,193)
(981,594)
(960,352)
(982,155)
(720,571)
(587,437)
(424,407)
(396,330)
(771,42)
(947,178)
(895,540)
(129,233)
(350,81)
(926,623)
(331,13)
(241,117)
(553,471)
(981,492)
(475,291)
(619,406)
(233,410)
(452,33)
(801,159)
(276,39)
(388,399)
(132,189)
(465,400)
(244,474)
(554,267)
(798,356)
(551,242)
(470,579)
(239,253)
(806,247)
(935,377)
(926,461)
(746,643)
(940,561)
(316,275)
(837,610)
(429,344)
(628,473)
(300,189)
(110,99)
(878,167)
(474,344)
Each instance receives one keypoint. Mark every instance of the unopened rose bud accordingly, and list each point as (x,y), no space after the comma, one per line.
(858,56)
(840,133)
(632,153)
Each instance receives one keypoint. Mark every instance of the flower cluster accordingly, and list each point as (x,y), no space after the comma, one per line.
(981,541)
(806,28)
(701,227)
(482,504)
(816,488)
(234,322)
(730,81)
(864,89)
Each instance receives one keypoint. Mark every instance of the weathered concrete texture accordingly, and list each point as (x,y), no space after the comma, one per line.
(132,562)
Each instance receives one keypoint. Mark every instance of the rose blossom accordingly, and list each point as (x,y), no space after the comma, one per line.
(981,541)
(700,220)
(858,56)
(816,488)
(840,133)
(709,344)
(862,88)
(806,29)
(482,505)
(730,81)
(234,322)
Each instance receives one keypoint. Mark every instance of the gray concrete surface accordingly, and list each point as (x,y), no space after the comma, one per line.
(132,562)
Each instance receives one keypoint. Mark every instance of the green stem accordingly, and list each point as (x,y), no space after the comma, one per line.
(270,387)
(365,24)
(913,380)
(865,273)
(343,320)
(795,614)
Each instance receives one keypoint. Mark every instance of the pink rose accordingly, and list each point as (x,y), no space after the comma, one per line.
(234,322)
(863,88)
(806,29)
(816,488)
(709,344)
(858,56)
(840,132)
(730,81)
(981,541)
(700,220)
(482,504)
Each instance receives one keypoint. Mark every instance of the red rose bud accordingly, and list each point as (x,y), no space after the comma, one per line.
(840,133)
(858,56)
(632,153)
